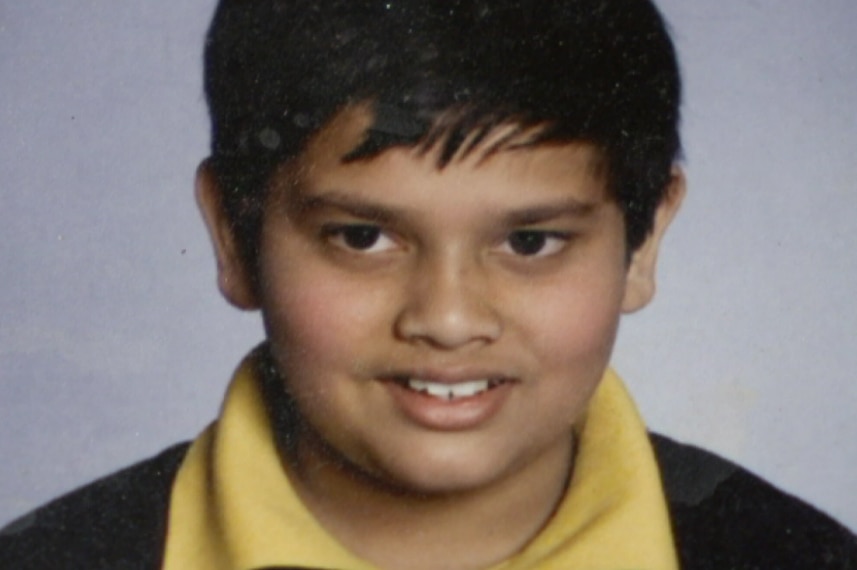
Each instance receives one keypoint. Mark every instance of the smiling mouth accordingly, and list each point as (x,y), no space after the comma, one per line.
(450,391)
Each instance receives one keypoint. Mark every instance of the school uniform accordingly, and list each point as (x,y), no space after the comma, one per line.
(635,500)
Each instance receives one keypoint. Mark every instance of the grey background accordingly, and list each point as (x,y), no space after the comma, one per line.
(114,342)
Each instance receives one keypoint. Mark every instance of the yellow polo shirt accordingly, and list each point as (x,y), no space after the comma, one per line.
(233,507)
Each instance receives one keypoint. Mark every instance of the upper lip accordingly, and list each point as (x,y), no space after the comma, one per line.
(446,375)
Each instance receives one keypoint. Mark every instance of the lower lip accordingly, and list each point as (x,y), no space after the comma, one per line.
(449,415)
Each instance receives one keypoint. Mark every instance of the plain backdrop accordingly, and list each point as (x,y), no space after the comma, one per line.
(114,342)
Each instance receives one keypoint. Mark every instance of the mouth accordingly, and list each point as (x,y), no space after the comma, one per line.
(449,400)
(449,391)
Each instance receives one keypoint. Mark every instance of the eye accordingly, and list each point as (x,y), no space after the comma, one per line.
(364,238)
(533,243)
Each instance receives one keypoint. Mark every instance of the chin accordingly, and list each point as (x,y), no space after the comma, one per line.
(429,483)
(441,473)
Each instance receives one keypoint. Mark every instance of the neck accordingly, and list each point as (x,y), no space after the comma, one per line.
(395,529)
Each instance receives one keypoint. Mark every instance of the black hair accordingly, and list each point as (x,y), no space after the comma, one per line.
(596,71)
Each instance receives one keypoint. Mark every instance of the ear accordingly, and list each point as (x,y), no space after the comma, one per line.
(640,280)
(233,278)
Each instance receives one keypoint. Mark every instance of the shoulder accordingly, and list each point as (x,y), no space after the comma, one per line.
(726,517)
(116,523)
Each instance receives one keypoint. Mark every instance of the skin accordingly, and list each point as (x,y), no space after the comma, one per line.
(509,264)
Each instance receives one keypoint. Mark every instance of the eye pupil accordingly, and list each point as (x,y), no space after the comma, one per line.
(527,243)
(361,237)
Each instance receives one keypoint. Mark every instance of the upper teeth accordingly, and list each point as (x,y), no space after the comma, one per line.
(450,391)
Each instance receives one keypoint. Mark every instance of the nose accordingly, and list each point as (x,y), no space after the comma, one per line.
(448,305)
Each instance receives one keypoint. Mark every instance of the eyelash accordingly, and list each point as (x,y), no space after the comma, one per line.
(339,235)
(363,238)
(557,239)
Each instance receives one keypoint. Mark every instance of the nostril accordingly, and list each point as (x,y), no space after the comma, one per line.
(449,323)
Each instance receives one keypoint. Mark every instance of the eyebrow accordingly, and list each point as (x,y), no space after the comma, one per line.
(359,208)
(570,208)
(337,200)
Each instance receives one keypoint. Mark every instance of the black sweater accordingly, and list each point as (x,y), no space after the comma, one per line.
(724,518)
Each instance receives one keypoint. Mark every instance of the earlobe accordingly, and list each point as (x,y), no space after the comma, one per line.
(640,282)
(233,279)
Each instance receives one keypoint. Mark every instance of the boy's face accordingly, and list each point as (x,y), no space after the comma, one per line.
(495,285)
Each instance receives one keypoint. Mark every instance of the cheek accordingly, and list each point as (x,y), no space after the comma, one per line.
(574,323)
(571,332)
(317,319)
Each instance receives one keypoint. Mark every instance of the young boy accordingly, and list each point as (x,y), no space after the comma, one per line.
(441,209)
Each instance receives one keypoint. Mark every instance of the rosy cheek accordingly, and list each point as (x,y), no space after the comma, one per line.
(576,326)
(318,318)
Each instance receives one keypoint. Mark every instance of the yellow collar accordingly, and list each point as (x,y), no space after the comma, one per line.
(234,508)
(614,515)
